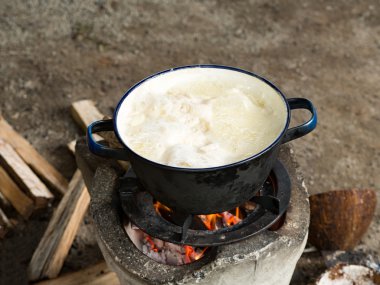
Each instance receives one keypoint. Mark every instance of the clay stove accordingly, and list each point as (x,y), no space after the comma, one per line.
(245,253)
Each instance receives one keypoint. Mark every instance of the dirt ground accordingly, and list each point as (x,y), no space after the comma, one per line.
(55,52)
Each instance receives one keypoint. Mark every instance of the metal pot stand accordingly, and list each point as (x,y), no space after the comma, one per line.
(271,204)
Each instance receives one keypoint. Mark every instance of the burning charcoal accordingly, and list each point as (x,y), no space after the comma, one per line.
(135,234)
(161,251)
(174,247)
(157,256)
(163,257)
(181,259)
(172,258)
(144,249)
(159,243)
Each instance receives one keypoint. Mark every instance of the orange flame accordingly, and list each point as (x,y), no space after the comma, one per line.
(212,222)
(192,255)
(225,219)
(189,250)
(152,244)
(161,207)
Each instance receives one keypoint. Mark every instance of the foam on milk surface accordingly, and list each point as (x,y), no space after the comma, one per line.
(201,117)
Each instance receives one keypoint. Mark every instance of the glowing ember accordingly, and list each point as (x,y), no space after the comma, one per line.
(212,222)
(151,242)
(161,251)
(173,254)
(221,220)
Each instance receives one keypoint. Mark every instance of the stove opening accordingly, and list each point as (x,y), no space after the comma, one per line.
(174,254)
(207,222)
(162,251)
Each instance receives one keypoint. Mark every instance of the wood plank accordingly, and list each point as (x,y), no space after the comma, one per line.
(55,244)
(24,176)
(22,203)
(85,112)
(5,224)
(96,274)
(30,155)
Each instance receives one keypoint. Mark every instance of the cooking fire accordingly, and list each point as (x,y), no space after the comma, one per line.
(174,254)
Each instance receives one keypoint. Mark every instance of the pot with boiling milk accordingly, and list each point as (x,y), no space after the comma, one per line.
(202,139)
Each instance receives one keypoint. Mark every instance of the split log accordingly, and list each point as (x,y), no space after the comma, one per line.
(5,224)
(55,244)
(4,203)
(22,203)
(71,146)
(24,176)
(340,218)
(35,161)
(85,112)
(96,274)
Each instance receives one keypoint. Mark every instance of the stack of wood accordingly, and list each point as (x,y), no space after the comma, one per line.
(29,183)
(24,177)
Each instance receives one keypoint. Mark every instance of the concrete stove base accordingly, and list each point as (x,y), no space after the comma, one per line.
(268,258)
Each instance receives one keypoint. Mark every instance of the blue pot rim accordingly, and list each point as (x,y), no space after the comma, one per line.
(215,168)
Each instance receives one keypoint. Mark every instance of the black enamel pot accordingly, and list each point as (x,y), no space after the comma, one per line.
(204,190)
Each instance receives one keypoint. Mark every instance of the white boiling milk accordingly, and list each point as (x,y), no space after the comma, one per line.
(201,117)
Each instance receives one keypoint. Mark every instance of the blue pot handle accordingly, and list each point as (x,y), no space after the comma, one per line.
(102,150)
(305,128)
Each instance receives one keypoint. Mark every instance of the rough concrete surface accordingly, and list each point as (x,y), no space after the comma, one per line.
(55,52)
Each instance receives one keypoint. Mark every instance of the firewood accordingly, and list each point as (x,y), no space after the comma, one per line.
(22,203)
(71,146)
(35,161)
(55,244)
(24,176)
(5,224)
(4,203)
(85,112)
(96,274)
(339,219)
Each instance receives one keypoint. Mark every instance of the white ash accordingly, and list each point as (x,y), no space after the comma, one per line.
(163,252)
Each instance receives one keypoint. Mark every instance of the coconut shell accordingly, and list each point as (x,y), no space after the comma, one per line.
(349,274)
(339,219)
